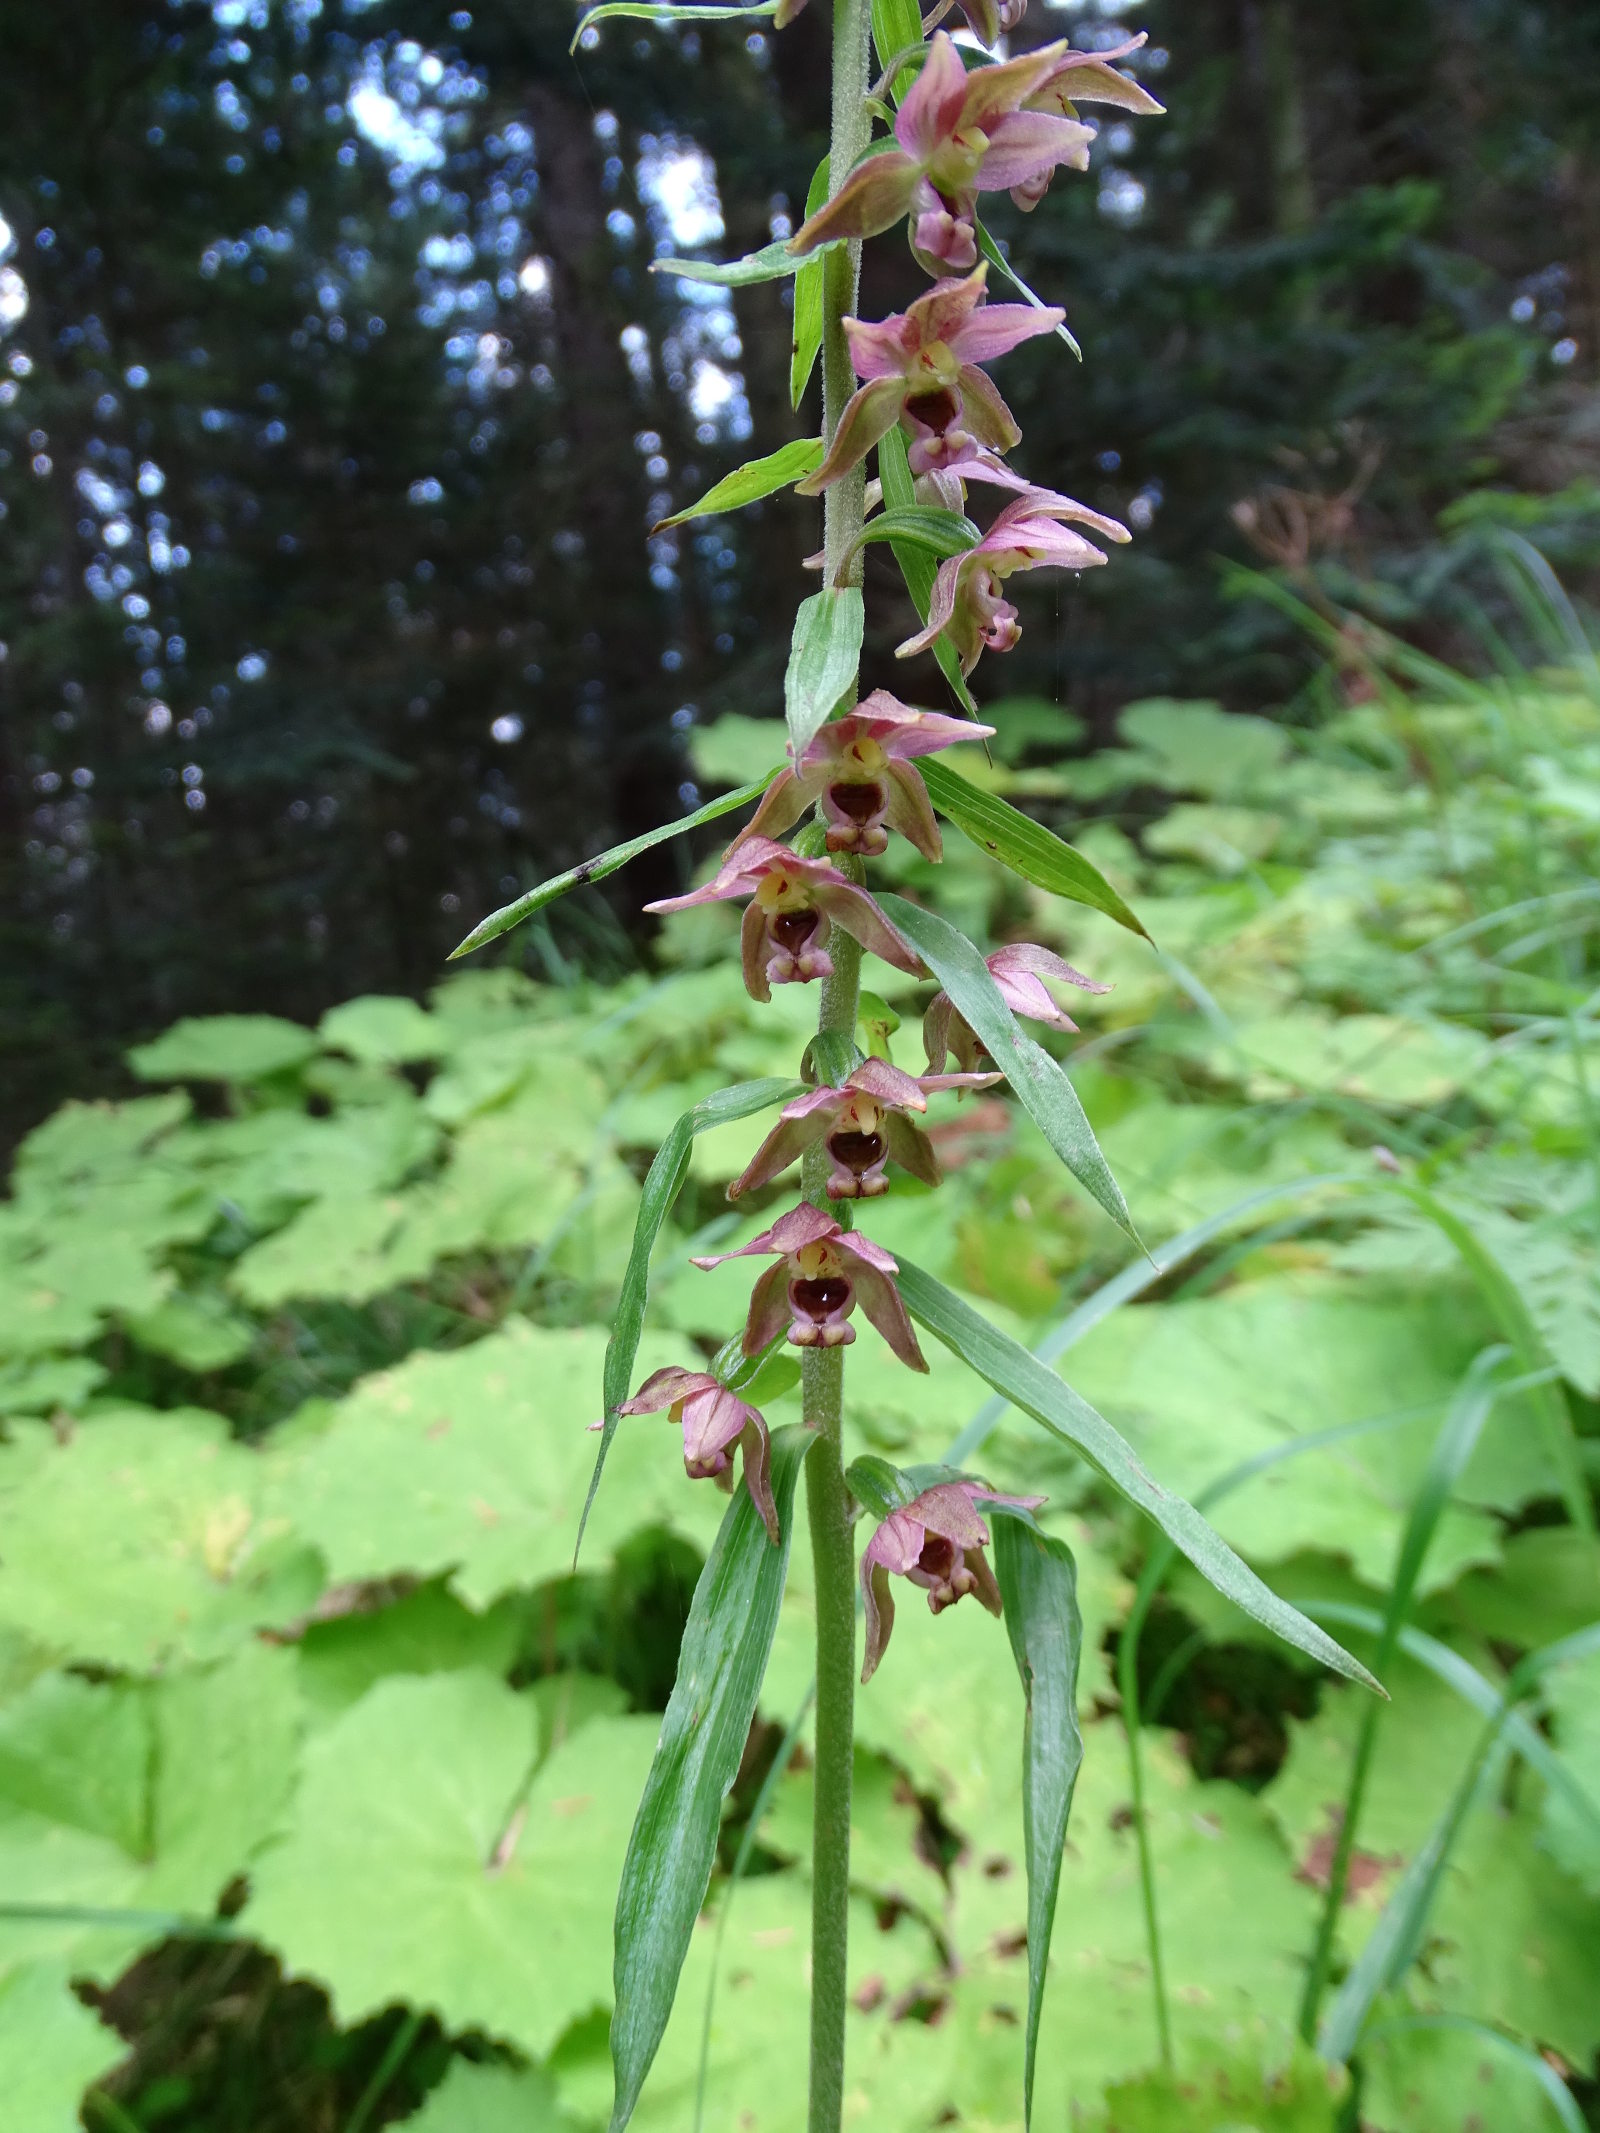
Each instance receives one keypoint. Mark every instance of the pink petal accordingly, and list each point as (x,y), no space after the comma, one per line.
(789,1139)
(711,1422)
(879,1596)
(911,1148)
(988,417)
(782,804)
(881,1305)
(758,1473)
(769,1309)
(664,1387)
(753,952)
(860,917)
(993,91)
(1025,995)
(995,329)
(934,103)
(887,1085)
(853,1246)
(947,1509)
(869,415)
(1028,144)
(941,607)
(917,732)
(944,311)
(896,1544)
(875,196)
(886,348)
(1039,543)
(910,811)
(960,1081)
(1028,955)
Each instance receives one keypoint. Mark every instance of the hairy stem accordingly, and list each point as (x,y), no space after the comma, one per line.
(822,1369)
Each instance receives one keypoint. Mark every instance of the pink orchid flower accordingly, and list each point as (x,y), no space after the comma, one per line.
(1080,78)
(794,903)
(920,367)
(937,1542)
(968,603)
(858,768)
(822,1272)
(1020,971)
(863,1124)
(957,134)
(714,1420)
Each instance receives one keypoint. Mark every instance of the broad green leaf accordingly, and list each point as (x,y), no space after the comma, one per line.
(381,1030)
(224,1048)
(1224,2087)
(146,1796)
(1038,1583)
(928,527)
(774,262)
(51,2047)
(1571,1835)
(1422,2073)
(807,323)
(757,478)
(577,877)
(996,258)
(1026,846)
(661,1188)
(139,1539)
(1042,1086)
(1036,1389)
(471,1465)
(424,1860)
(656,11)
(425,1631)
(492,2099)
(916,566)
(721,1664)
(196,1331)
(824,656)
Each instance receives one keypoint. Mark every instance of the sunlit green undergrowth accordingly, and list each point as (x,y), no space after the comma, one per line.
(298,1348)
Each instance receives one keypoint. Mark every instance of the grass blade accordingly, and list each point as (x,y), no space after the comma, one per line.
(721,1665)
(661,1188)
(1036,1389)
(611,862)
(1452,1448)
(1023,845)
(1043,1087)
(1038,1583)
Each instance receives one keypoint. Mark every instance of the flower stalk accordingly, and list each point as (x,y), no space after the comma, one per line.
(829,1509)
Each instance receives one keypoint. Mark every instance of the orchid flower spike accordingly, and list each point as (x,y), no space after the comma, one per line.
(957,134)
(1020,971)
(920,367)
(714,1420)
(937,1542)
(822,1271)
(863,1124)
(968,604)
(858,768)
(794,903)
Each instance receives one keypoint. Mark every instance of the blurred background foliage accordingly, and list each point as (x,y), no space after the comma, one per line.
(338,402)
(336,405)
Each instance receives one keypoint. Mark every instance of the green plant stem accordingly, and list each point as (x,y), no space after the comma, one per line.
(822,1369)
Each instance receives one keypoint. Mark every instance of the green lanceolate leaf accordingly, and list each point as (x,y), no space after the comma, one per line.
(774,262)
(1026,846)
(824,655)
(924,526)
(917,567)
(808,299)
(895,25)
(996,258)
(876,1023)
(1046,1093)
(654,11)
(721,1664)
(592,870)
(1036,1389)
(757,478)
(661,1187)
(1039,1584)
